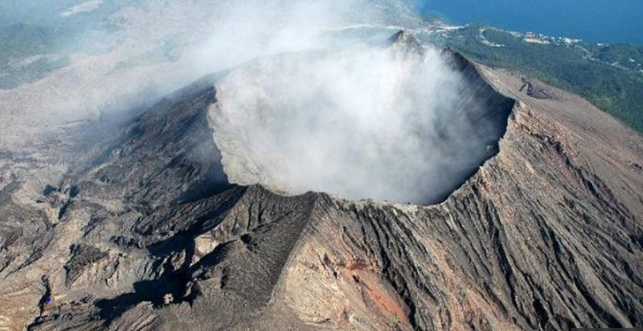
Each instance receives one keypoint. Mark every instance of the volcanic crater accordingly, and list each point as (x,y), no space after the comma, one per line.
(402,123)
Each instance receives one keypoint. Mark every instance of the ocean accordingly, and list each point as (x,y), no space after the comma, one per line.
(597,21)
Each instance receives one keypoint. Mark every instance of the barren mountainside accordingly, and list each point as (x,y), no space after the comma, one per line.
(544,232)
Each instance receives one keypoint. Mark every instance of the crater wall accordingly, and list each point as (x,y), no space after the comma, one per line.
(402,123)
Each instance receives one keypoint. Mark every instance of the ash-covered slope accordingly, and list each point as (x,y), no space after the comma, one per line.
(547,234)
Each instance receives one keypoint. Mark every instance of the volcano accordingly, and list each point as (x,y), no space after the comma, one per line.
(200,215)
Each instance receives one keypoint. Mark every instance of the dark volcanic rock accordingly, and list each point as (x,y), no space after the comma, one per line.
(82,256)
(546,235)
(534,90)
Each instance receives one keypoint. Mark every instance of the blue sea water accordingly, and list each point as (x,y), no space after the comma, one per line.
(599,21)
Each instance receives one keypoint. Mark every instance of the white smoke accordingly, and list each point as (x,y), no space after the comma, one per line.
(358,123)
(153,47)
(367,123)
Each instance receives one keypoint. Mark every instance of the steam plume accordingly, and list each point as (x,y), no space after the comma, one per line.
(363,123)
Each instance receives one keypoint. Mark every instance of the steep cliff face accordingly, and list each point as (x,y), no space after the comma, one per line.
(547,234)
(534,240)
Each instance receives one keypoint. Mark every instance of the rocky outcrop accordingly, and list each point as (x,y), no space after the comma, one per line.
(547,235)
(82,256)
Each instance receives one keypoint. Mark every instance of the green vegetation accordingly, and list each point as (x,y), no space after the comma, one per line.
(626,56)
(607,76)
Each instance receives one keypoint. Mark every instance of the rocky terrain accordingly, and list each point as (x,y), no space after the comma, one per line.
(144,231)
